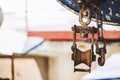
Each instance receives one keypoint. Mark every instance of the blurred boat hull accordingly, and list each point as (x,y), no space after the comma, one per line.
(110,9)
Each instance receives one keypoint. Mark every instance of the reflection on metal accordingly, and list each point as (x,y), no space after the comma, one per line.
(1,16)
(87,57)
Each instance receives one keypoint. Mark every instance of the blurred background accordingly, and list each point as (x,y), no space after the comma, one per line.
(41,29)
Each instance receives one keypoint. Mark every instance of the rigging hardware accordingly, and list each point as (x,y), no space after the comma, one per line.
(88,56)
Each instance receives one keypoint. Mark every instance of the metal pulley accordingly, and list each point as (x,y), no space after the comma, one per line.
(88,56)
(78,56)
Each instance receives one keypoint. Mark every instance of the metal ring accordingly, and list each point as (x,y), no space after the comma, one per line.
(100,40)
(84,13)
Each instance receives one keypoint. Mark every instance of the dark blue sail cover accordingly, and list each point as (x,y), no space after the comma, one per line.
(110,9)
